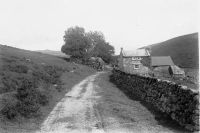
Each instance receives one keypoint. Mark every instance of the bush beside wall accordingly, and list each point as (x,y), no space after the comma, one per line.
(182,105)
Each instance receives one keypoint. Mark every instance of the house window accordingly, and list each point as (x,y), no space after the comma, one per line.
(134,62)
(136,58)
(136,66)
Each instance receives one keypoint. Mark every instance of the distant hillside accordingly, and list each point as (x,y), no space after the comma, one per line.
(55,53)
(37,57)
(183,50)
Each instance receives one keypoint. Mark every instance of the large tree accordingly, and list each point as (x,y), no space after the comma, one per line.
(99,47)
(80,44)
(76,42)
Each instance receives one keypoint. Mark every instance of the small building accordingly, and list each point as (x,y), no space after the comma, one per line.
(161,61)
(134,62)
(161,71)
(160,65)
(176,72)
(165,67)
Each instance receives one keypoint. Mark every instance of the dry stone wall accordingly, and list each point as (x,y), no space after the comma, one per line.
(178,102)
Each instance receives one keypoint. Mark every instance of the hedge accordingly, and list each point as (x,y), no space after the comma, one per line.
(182,105)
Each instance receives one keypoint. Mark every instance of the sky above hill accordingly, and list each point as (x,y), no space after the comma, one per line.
(40,24)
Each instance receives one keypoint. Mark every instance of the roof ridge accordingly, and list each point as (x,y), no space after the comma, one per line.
(135,52)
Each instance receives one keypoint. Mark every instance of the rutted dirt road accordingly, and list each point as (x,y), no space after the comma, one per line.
(95,105)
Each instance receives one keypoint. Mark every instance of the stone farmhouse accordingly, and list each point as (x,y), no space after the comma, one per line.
(134,62)
(140,62)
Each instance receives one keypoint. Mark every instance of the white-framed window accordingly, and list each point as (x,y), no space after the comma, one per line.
(136,66)
(136,58)
(135,62)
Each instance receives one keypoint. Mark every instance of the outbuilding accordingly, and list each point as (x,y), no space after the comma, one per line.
(176,71)
(165,67)
(160,61)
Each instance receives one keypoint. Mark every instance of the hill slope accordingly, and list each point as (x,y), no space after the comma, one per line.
(15,63)
(36,57)
(52,52)
(27,86)
(182,49)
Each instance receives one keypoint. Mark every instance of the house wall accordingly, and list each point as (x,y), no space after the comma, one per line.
(128,66)
(120,62)
(165,71)
(161,71)
(176,72)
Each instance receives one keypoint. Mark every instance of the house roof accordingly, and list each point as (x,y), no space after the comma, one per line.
(161,61)
(137,52)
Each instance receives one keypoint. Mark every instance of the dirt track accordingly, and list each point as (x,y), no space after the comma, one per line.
(97,106)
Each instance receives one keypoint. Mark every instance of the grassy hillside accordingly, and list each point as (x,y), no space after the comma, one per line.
(30,85)
(182,49)
(55,53)
(36,57)
(25,78)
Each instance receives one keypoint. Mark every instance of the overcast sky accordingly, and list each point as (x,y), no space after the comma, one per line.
(40,24)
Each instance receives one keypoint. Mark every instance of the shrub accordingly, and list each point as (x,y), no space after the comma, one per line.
(27,100)
(40,75)
(28,108)
(9,83)
(9,106)
(59,88)
(54,72)
(43,98)
(48,74)
(27,97)
(9,111)
(19,68)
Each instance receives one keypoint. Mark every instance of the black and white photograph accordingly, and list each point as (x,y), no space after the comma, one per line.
(99,66)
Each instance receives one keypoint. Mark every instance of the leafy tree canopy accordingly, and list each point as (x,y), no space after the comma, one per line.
(80,44)
(76,43)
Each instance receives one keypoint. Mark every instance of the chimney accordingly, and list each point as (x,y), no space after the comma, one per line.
(148,49)
(121,49)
